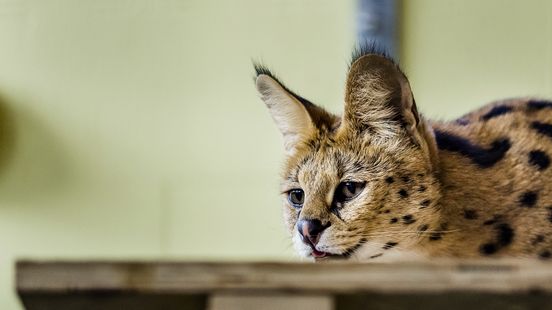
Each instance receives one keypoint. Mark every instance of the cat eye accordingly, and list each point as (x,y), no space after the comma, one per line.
(346,191)
(296,197)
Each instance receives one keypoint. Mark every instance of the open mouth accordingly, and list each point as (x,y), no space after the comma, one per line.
(320,254)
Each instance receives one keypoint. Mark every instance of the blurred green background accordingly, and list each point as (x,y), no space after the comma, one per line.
(132,129)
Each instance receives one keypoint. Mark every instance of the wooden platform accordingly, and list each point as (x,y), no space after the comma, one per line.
(323,286)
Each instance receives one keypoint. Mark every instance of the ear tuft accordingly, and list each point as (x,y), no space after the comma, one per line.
(261,69)
(370,48)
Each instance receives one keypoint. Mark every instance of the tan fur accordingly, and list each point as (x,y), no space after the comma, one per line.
(453,207)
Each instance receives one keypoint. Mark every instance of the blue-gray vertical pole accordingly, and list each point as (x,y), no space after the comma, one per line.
(377,21)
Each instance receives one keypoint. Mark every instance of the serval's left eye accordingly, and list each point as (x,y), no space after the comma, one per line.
(346,191)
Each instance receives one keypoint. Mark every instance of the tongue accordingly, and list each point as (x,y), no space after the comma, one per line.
(318,254)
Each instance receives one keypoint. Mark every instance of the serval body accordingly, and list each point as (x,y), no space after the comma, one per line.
(381,182)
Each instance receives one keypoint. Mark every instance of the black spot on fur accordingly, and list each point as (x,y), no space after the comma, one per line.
(535,105)
(423,227)
(422,189)
(389,245)
(550,214)
(542,128)
(403,193)
(496,111)
(425,203)
(435,236)
(482,157)
(488,248)
(528,199)
(504,237)
(539,159)
(545,254)
(470,214)
(377,255)
(408,219)
(505,234)
(394,220)
(389,180)
(405,179)
(386,211)
(538,239)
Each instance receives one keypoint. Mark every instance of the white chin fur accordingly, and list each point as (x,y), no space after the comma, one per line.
(302,249)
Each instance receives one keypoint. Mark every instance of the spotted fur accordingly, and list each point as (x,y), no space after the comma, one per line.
(479,186)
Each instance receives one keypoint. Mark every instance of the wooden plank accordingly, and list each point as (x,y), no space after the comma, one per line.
(302,278)
(505,285)
(270,302)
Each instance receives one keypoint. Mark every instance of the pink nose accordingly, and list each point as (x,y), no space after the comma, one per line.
(310,230)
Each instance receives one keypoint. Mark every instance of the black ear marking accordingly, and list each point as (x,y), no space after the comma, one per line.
(482,157)
(497,111)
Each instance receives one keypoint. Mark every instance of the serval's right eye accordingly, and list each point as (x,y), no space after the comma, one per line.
(296,197)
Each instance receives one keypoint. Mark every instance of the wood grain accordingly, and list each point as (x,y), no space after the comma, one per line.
(201,285)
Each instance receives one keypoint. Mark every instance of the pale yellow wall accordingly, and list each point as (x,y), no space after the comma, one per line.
(137,129)
(460,54)
(134,130)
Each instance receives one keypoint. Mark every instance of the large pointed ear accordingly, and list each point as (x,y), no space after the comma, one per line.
(296,118)
(290,116)
(379,103)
